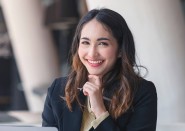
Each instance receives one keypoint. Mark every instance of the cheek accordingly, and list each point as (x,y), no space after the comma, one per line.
(111,54)
(81,53)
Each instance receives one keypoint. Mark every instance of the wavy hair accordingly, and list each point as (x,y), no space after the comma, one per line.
(123,72)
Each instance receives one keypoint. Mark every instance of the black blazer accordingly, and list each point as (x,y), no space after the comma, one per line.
(141,117)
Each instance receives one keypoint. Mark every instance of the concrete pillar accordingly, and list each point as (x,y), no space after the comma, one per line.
(158,27)
(33,47)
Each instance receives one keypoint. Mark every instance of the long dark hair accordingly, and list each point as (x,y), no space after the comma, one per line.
(123,72)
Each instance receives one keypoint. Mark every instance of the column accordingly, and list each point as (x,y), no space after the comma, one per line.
(158,27)
(33,47)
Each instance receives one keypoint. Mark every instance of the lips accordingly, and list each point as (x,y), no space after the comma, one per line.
(95,63)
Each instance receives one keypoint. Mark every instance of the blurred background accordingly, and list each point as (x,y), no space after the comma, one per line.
(36,35)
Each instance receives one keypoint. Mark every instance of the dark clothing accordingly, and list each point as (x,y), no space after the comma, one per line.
(141,117)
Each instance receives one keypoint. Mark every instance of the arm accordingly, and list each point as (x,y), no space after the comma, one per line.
(145,109)
(48,118)
(144,116)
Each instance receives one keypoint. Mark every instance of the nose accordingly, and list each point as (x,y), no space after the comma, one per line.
(93,52)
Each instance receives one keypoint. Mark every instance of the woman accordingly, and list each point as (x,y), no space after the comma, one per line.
(104,91)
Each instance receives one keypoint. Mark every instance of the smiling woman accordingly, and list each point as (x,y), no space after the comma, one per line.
(102,92)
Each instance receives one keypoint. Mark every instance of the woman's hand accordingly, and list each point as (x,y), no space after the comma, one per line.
(92,88)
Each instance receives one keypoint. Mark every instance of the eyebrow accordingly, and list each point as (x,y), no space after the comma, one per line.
(103,38)
(85,38)
(99,39)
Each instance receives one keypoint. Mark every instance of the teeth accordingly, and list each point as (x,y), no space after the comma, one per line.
(95,62)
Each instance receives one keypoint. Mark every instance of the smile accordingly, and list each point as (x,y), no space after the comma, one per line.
(95,63)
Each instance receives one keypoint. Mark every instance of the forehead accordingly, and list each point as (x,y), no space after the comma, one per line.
(95,28)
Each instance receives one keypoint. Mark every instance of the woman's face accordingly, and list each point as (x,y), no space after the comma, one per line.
(98,49)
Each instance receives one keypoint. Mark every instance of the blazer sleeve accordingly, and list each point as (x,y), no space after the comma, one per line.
(48,118)
(143,117)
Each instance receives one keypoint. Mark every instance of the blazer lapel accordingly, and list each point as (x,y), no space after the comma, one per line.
(72,120)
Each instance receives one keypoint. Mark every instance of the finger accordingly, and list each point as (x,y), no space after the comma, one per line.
(88,88)
(85,93)
(94,79)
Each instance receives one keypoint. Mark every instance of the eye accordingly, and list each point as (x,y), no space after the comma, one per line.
(85,43)
(103,44)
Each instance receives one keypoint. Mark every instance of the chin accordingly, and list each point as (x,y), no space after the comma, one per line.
(96,73)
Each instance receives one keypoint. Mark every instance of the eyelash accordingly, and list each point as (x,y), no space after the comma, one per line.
(85,42)
(101,43)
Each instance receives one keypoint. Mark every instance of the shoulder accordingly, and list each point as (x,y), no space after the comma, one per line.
(147,86)
(57,87)
(145,93)
(54,104)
